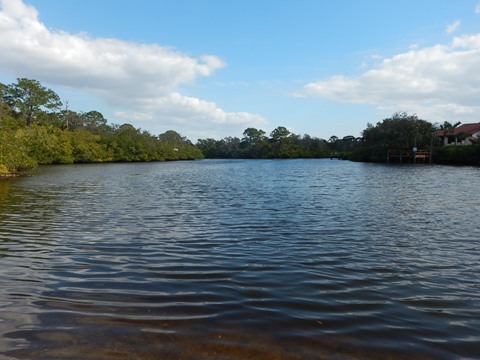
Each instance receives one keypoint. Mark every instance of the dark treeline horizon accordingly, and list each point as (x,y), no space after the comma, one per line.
(36,130)
(281,143)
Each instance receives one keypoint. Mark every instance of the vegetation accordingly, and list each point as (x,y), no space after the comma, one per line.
(401,131)
(34,130)
(281,144)
(458,155)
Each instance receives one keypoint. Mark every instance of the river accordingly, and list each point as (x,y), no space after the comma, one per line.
(244,259)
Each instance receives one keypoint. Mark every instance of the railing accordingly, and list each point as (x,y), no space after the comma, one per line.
(399,155)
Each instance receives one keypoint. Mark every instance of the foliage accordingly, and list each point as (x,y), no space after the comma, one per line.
(458,155)
(87,147)
(401,131)
(28,98)
(448,127)
(33,131)
(173,146)
(282,144)
(13,153)
(47,145)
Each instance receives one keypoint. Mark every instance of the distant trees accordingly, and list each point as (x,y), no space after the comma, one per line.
(255,144)
(401,131)
(33,130)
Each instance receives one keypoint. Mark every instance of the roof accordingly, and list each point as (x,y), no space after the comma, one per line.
(468,129)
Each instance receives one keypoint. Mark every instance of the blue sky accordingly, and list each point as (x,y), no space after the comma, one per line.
(212,68)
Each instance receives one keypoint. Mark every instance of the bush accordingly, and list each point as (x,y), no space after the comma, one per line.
(459,155)
(14,153)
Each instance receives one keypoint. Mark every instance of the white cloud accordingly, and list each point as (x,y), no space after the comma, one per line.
(477,9)
(451,28)
(437,82)
(138,80)
(183,111)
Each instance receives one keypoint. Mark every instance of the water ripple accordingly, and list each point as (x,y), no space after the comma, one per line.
(300,259)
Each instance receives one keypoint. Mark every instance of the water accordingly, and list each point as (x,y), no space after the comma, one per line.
(297,259)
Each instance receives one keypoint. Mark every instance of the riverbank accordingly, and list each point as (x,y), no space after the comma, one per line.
(467,155)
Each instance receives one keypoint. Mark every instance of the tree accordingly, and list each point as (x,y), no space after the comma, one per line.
(209,148)
(279,134)
(86,147)
(7,121)
(401,131)
(253,143)
(253,136)
(47,145)
(71,120)
(174,146)
(448,127)
(28,98)
(449,131)
(284,144)
(172,137)
(94,121)
(14,155)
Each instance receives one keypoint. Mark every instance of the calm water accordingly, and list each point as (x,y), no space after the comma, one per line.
(297,259)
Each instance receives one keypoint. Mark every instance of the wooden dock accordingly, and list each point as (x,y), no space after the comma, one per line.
(409,156)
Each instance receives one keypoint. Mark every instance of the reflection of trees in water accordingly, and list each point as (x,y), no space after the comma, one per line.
(4,189)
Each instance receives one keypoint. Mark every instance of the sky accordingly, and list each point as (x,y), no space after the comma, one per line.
(212,68)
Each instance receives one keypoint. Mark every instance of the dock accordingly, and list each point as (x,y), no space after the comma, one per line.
(409,156)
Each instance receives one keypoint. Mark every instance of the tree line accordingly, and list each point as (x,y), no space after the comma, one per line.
(281,144)
(36,128)
(401,131)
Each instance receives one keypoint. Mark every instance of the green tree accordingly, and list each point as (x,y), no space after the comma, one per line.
(174,146)
(253,137)
(253,143)
(230,147)
(29,99)
(87,148)
(47,145)
(172,137)
(13,153)
(448,127)
(7,121)
(71,120)
(131,144)
(279,134)
(284,144)
(400,132)
(95,122)
(209,148)
(449,131)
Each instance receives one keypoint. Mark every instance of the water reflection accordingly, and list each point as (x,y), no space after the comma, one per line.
(242,259)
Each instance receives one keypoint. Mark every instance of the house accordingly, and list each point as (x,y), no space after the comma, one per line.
(466,134)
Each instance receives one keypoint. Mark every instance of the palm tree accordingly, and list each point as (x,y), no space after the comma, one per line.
(448,128)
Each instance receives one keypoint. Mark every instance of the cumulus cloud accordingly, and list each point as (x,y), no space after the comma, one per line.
(183,111)
(451,28)
(139,80)
(440,82)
